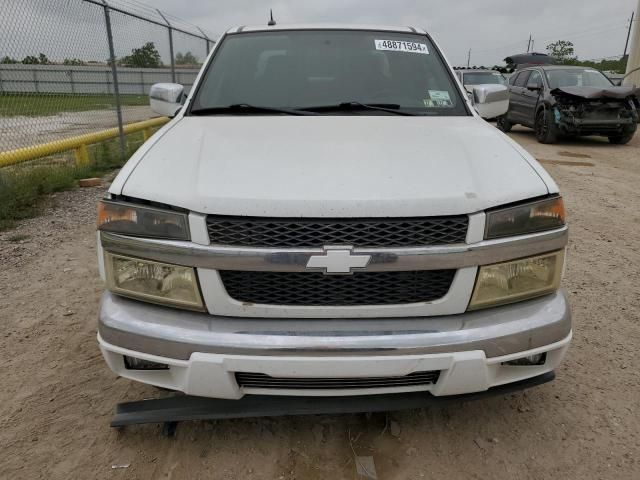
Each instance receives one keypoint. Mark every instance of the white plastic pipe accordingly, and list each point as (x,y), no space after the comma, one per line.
(633,65)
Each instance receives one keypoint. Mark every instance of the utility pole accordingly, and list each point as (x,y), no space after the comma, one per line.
(626,45)
(633,62)
(529,45)
(469,59)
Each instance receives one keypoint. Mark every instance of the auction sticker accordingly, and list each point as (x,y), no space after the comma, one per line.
(399,46)
(438,98)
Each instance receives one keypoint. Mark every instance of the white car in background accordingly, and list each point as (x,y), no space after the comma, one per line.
(497,91)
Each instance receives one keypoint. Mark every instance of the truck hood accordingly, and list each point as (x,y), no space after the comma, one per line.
(332,166)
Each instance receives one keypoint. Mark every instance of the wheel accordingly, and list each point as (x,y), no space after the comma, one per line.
(545,127)
(503,123)
(623,138)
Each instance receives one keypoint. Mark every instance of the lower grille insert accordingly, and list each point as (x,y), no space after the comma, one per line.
(317,289)
(260,380)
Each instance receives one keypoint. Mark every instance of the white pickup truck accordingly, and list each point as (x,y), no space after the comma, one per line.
(327,215)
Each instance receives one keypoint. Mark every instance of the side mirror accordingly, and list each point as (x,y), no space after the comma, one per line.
(166,98)
(491,101)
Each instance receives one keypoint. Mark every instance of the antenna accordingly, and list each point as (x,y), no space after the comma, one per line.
(272,22)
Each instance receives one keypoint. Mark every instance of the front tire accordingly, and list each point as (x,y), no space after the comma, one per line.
(623,138)
(545,127)
(503,123)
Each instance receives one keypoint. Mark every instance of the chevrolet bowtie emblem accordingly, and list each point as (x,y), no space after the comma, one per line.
(338,261)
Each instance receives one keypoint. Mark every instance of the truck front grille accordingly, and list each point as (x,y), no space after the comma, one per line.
(317,289)
(317,232)
(260,380)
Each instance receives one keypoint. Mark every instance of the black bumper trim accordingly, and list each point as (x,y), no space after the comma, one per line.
(182,408)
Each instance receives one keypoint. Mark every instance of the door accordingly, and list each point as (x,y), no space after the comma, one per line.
(517,98)
(531,94)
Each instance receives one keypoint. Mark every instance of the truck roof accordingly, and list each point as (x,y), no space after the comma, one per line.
(325,26)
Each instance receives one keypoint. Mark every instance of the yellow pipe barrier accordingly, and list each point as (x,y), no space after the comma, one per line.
(82,155)
(79,143)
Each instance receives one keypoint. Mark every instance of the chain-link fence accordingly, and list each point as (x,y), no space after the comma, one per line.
(76,71)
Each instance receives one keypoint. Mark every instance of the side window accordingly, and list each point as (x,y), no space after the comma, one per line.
(513,78)
(521,81)
(535,80)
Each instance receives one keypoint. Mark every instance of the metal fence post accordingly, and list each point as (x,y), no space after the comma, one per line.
(206,39)
(73,86)
(173,61)
(35,80)
(114,72)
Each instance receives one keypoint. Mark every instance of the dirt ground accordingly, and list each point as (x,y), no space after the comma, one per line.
(58,395)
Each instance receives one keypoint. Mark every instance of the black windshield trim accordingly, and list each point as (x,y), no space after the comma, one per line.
(247,109)
(354,106)
(436,48)
(324,29)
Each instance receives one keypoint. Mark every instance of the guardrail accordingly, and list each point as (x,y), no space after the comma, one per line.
(78,143)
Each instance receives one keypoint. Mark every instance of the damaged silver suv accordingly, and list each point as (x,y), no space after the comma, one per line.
(572,101)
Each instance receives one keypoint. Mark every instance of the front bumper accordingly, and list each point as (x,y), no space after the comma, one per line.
(597,126)
(204,352)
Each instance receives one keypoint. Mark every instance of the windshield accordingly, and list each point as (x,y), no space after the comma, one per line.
(577,78)
(315,68)
(484,78)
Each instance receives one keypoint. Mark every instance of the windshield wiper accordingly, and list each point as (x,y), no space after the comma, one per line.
(355,106)
(244,108)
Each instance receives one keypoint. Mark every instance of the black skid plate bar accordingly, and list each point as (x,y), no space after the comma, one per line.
(180,408)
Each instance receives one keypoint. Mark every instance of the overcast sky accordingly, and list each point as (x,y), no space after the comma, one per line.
(492,29)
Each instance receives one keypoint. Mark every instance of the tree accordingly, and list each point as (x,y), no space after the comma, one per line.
(186,59)
(9,61)
(562,51)
(146,56)
(604,65)
(41,59)
(73,62)
(30,60)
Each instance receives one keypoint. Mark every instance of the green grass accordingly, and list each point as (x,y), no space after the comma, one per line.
(23,187)
(39,105)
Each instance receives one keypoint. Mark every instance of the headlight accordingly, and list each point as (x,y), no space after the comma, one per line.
(528,218)
(517,280)
(141,221)
(153,282)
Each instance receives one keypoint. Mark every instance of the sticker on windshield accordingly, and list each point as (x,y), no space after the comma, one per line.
(438,99)
(398,46)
